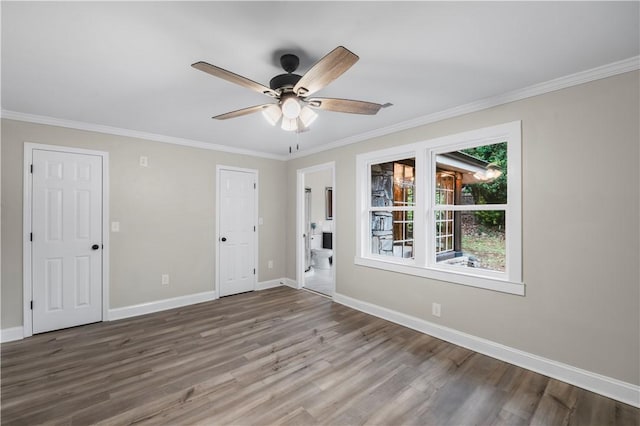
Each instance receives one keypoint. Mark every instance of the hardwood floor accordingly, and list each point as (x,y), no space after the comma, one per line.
(278,356)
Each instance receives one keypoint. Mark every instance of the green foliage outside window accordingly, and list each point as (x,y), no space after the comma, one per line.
(493,192)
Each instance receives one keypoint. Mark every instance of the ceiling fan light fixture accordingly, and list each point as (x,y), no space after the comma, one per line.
(291,108)
(307,116)
(272,114)
(294,111)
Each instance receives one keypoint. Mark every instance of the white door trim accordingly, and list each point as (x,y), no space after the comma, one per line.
(255,173)
(27,229)
(300,225)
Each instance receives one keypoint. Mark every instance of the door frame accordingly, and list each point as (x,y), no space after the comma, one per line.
(256,175)
(300,173)
(27,213)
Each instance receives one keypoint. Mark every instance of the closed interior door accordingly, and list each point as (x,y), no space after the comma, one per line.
(237,229)
(67,239)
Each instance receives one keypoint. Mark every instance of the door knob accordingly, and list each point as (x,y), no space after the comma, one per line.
(95,247)
(223,239)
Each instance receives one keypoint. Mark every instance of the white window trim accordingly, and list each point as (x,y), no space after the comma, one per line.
(362,231)
(423,265)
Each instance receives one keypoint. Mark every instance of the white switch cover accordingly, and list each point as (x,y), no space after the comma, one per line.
(115,226)
(165,279)
(270,264)
(260,221)
(144,161)
(435,309)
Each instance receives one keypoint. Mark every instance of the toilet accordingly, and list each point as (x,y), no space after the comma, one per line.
(319,256)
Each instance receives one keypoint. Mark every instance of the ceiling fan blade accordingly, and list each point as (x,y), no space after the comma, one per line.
(234,78)
(327,69)
(344,105)
(241,112)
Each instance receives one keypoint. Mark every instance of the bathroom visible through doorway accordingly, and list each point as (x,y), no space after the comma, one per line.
(316,229)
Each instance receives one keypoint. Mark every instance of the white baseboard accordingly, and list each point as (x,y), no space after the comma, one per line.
(276,283)
(160,305)
(269,284)
(11,334)
(290,283)
(603,385)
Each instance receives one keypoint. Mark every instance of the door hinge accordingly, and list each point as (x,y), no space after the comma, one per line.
(30,236)
(31,168)
(254,185)
(254,271)
(254,228)
(32,305)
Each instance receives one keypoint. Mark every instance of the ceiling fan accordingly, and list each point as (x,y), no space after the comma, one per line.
(295,105)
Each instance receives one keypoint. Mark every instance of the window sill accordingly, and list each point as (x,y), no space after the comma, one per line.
(452,277)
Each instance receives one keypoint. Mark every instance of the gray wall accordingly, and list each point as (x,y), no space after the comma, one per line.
(580,231)
(166,213)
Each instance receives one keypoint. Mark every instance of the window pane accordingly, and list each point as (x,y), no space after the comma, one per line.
(472,176)
(392,183)
(445,187)
(392,233)
(473,243)
(444,231)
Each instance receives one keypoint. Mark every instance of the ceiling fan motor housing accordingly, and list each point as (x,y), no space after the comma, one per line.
(284,81)
(289,63)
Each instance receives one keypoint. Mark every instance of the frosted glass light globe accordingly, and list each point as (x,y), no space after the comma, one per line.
(290,108)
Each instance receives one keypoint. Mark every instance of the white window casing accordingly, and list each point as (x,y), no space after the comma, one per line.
(423,263)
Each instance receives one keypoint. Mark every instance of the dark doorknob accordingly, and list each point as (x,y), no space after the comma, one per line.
(223,239)
(95,247)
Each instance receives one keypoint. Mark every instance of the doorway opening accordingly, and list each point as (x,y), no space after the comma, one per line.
(316,229)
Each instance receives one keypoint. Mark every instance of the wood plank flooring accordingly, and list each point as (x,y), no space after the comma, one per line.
(278,356)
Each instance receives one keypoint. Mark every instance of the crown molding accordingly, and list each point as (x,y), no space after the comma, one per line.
(98,128)
(604,71)
(598,73)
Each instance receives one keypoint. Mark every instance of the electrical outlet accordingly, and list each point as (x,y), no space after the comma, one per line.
(165,279)
(144,161)
(270,264)
(435,309)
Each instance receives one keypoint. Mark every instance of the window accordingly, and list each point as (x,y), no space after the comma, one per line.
(392,207)
(445,191)
(447,209)
(469,207)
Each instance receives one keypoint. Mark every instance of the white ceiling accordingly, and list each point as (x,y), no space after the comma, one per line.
(127,64)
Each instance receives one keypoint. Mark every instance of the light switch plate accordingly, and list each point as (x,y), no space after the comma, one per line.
(436,309)
(144,161)
(115,226)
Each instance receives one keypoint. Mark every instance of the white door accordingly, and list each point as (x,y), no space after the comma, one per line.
(67,239)
(237,231)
